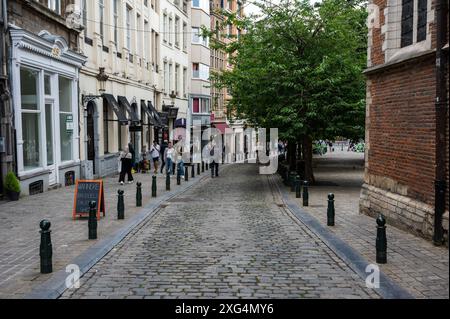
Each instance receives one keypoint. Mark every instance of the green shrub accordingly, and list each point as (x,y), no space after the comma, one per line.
(12,183)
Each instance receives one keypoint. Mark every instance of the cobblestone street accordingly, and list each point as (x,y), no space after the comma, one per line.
(224,238)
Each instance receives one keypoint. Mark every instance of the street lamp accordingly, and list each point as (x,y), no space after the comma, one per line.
(102,78)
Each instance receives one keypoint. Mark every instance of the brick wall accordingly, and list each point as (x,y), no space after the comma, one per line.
(34,16)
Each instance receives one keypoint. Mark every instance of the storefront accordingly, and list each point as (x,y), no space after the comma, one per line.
(44,77)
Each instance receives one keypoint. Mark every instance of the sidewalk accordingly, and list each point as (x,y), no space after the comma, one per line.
(19,229)
(413,263)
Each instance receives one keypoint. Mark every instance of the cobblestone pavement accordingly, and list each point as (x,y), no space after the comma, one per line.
(19,230)
(226,237)
(413,263)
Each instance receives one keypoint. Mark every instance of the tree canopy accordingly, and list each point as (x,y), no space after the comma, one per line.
(299,68)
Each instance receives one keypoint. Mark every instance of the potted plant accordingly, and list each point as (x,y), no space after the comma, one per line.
(12,186)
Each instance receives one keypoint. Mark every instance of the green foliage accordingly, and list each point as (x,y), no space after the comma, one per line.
(12,183)
(299,69)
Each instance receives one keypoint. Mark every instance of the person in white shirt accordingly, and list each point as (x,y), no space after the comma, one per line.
(169,156)
(154,153)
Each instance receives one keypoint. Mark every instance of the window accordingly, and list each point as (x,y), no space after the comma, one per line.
(165,27)
(128,22)
(200,105)
(84,12)
(195,70)
(105,128)
(177,31)
(184,36)
(138,35)
(30,118)
(47,85)
(229,5)
(147,34)
(177,75)
(184,81)
(413,27)
(54,5)
(195,105)
(116,23)
(65,116)
(101,12)
(166,77)
(196,3)
(195,35)
(170,78)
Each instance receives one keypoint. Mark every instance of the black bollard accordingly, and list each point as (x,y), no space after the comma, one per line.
(198,168)
(203,167)
(178,177)
(167,181)
(292,182)
(381,241)
(92,222)
(186,174)
(298,187)
(120,205)
(153,186)
(212,169)
(330,210)
(192,170)
(45,249)
(207,167)
(138,194)
(305,193)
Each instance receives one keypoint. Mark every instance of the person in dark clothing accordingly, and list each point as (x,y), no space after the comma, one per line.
(126,166)
(163,148)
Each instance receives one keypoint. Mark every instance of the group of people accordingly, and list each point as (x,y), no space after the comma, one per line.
(166,153)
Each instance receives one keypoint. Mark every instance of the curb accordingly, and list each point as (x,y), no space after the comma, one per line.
(388,288)
(55,286)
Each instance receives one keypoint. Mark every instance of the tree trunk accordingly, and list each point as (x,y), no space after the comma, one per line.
(292,149)
(307,156)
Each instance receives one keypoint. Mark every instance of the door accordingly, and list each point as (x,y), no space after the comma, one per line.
(50,142)
(91,135)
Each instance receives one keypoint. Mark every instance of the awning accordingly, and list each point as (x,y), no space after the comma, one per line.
(155,114)
(151,119)
(124,102)
(180,122)
(221,127)
(121,116)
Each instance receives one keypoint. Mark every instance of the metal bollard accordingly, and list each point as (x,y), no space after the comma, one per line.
(298,187)
(207,166)
(330,210)
(45,248)
(167,181)
(212,170)
(178,177)
(305,193)
(138,194)
(92,222)
(203,167)
(186,174)
(120,205)
(381,241)
(198,168)
(192,170)
(153,186)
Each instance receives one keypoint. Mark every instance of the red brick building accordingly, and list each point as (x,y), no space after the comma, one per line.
(406,130)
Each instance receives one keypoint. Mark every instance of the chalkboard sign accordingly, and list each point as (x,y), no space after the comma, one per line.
(85,192)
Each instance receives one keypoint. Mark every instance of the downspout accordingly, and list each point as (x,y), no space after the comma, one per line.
(441,105)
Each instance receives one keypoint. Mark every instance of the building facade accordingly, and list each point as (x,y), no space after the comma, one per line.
(407,150)
(44,63)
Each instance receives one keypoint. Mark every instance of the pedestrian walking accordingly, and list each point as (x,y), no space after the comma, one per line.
(169,156)
(155,153)
(126,166)
(163,151)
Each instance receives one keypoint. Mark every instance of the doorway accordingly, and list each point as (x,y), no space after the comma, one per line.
(90,129)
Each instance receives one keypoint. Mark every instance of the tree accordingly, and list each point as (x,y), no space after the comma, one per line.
(299,69)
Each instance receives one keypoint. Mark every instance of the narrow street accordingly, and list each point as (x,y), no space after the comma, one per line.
(227,237)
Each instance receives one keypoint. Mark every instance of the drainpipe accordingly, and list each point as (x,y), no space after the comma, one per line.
(441,105)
